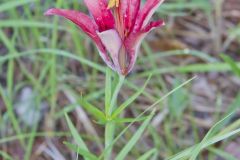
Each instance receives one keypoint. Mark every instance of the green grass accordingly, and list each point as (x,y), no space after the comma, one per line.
(57,61)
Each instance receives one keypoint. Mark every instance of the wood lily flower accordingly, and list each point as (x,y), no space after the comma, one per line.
(116,28)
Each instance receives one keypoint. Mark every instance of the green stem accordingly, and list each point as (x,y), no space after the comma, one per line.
(115,94)
(109,136)
(110,126)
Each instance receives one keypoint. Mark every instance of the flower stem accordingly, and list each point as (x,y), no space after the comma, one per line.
(110,126)
(115,94)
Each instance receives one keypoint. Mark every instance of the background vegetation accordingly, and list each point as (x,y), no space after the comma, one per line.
(47,65)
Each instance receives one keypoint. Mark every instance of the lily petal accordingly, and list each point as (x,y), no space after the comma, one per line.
(113,43)
(81,20)
(101,14)
(134,41)
(129,10)
(152,25)
(146,13)
(86,24)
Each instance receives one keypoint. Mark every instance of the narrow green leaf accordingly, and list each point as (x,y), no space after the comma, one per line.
(10,111)
(58,52)
(13,4)
(5,156)
(189,151)
(80,151)
(123,106)
(66,109)
(38,134)
(193,68)
(232,64)
(94,111)
(178,101)
(222,153)
(160,55)
(209,134)
(230,127)
(75,134)
(221,137)
(16,23)
(137,135)
(148,154)
(181,6)
(129,120)
(234,105)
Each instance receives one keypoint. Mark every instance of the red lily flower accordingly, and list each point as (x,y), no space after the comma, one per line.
(117,32)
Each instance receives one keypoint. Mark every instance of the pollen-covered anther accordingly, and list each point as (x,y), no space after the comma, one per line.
(113,3)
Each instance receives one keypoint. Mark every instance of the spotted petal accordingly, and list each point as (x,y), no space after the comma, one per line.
(146,13)
(129,10)
(86,24)
(132,43)
(101,14)
(81,20)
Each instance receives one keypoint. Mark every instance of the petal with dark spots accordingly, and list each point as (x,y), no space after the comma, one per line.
(146,13)
(129,10)
(80,19)
(153,25)
(133,42)
(85,23)
(101,14)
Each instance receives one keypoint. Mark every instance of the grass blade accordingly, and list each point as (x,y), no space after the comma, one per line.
(75,134)
(147,155)
(5,156)
(235,68)
(130,100)
(80,151)
(189,151)
(209,134)
(137,135)
(13,4)
(193,68)
(94,111)
(129,120)
(222,153)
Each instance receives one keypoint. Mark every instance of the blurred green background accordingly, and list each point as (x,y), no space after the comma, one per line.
(47,64)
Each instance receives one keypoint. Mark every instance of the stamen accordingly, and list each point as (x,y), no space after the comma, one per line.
(118,22)
(113,3)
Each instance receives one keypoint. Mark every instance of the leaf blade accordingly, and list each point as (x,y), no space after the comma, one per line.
(137,135)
